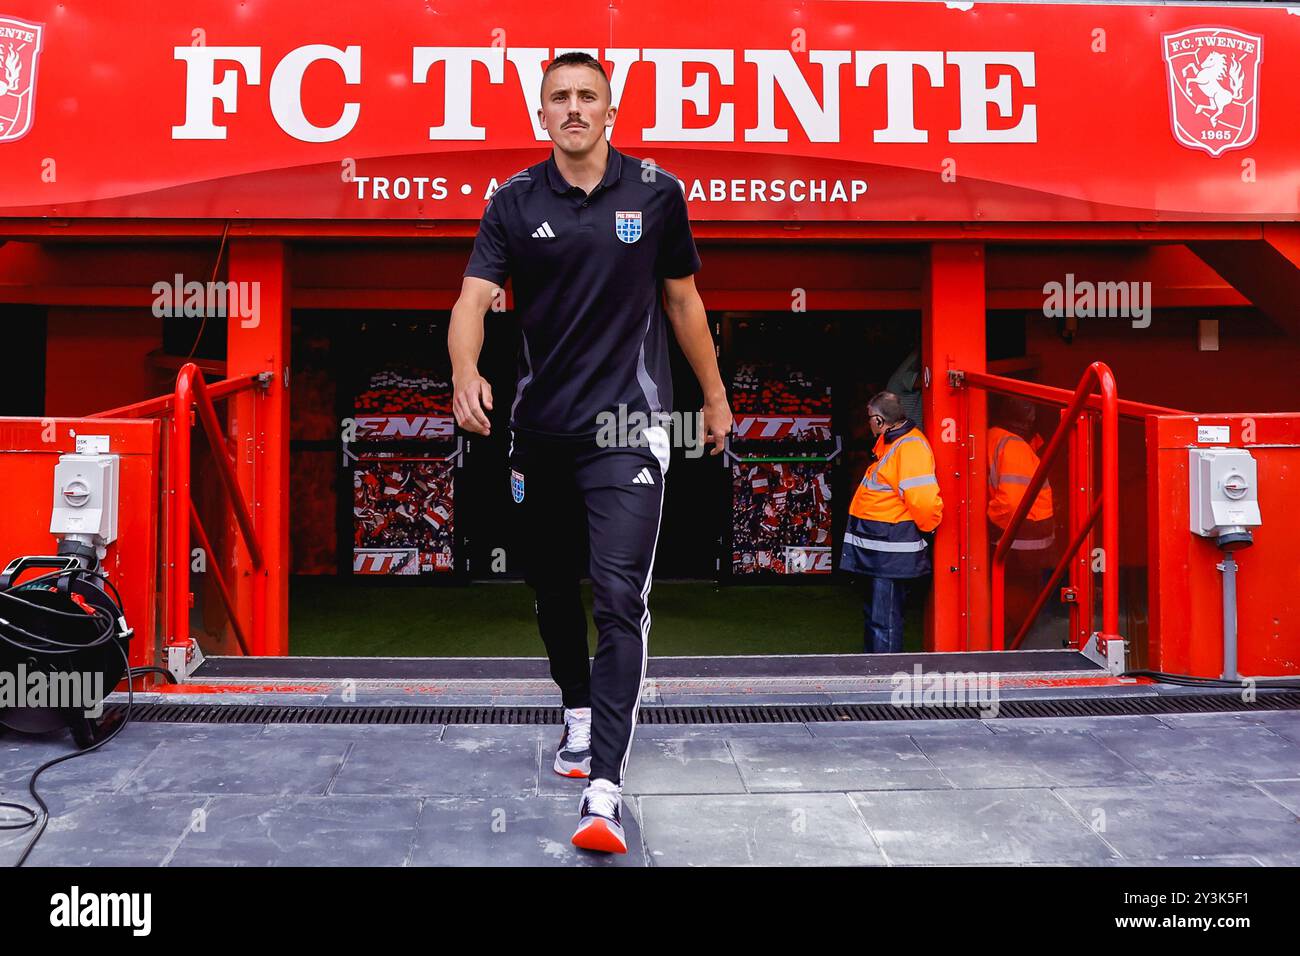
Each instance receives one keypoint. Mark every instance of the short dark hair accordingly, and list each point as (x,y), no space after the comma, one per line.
(577,58)
(887,406)
(1012,412)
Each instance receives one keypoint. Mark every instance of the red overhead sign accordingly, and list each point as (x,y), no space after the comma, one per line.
(808,111)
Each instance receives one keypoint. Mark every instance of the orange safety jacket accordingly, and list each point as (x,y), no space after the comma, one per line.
(897,500)
(1012,463)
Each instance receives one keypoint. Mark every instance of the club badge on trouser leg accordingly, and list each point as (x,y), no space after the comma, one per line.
(516,486)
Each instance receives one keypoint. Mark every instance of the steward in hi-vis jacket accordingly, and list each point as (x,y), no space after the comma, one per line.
(1012,462)
(894,508)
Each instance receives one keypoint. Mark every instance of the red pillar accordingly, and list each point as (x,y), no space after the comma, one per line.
(259,430)
(953,337)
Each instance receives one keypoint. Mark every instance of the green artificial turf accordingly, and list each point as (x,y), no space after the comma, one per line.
(329,618)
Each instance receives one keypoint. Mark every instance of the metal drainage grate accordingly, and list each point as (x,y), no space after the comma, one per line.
(739,714)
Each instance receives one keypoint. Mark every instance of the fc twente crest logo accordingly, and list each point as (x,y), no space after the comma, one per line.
(1213,87)
(20,44)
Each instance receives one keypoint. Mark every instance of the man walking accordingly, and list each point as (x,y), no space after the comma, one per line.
(896,504)
(600,252)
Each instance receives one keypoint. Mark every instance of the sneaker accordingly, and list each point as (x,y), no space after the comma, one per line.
(600,824)
(573,756)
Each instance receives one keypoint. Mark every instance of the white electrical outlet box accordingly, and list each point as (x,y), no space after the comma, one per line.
(85,497)
(1222,491)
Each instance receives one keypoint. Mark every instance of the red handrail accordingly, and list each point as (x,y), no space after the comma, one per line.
(1098,373)
(162,405)
(222,588)
(1076,543)
(1137,411)
(193,392)
(192,389)
(1079,466)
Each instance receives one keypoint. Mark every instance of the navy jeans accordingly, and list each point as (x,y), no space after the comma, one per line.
(882,614)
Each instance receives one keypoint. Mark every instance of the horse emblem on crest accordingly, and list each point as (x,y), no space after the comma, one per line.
(1213,87)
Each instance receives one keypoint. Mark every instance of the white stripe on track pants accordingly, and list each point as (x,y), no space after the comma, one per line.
(590,510)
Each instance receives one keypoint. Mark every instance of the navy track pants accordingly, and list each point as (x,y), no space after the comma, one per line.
(582,509)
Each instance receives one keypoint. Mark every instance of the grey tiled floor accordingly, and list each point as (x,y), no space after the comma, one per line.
(1202,789)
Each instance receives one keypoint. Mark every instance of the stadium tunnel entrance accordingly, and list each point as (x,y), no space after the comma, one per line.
(405,504)
(807,329)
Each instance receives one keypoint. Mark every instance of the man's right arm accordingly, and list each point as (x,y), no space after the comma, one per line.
(471,393)
(919,485)
(489,265)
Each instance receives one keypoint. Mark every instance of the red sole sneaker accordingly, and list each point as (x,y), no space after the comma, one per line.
(566,769)
(597,833)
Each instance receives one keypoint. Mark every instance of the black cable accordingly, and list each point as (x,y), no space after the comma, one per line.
(44,815)
(1189,680)
(51,610)
(95,572)
(108,635)
(215,266)
(44,644)
(40,577)
(140,671)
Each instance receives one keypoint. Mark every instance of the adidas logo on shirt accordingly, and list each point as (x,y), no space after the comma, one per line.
(543,231)
(643,477)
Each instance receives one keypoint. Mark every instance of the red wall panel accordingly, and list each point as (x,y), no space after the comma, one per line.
(1187,602)
(97,359)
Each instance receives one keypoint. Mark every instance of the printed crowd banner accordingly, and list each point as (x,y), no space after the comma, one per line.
(770,110)
(403,402)
(403,515)
(794,428)
(781,518)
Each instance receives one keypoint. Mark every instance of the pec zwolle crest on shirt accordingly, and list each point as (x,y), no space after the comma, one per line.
(516,486)
(1213,87)
(627,225)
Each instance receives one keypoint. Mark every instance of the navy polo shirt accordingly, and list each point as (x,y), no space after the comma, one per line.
(588,275)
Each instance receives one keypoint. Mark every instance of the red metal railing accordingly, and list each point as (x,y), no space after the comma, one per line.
(1076,421)
(195,397)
